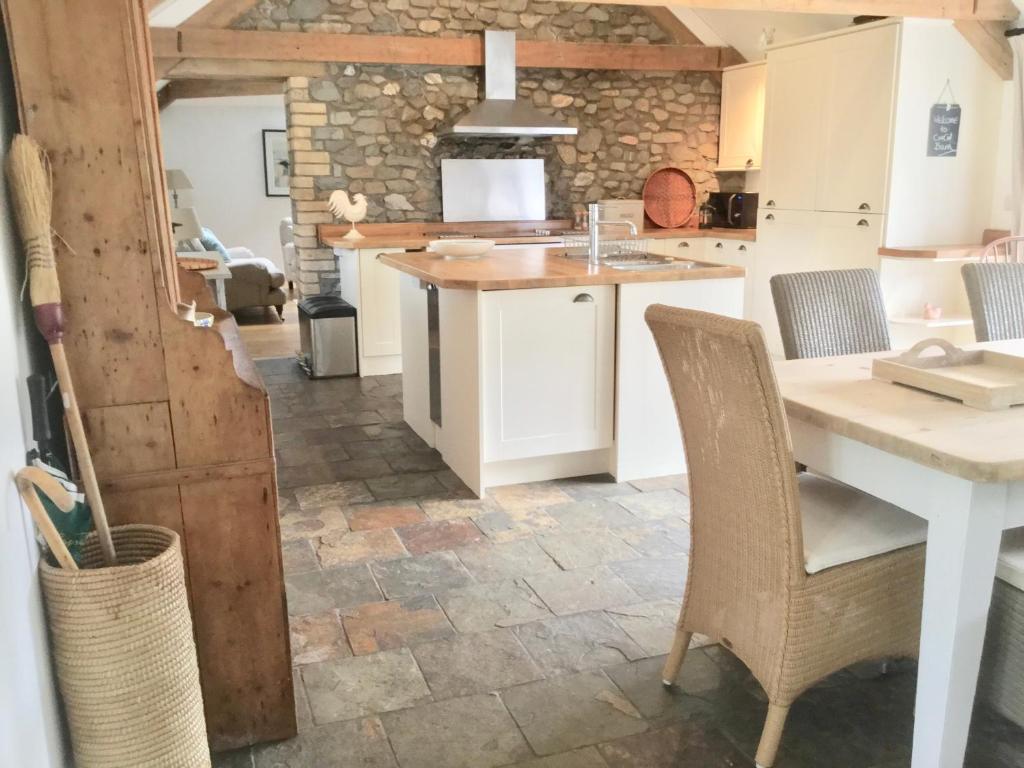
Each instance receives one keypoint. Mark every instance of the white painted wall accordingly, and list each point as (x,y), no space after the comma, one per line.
(30,726)
(1002,189)
(933,199)
(219,144)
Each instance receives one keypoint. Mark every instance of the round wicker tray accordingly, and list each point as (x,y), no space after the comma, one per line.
(670,198)
(196,263)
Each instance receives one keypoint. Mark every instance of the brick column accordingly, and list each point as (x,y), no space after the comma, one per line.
(318,270)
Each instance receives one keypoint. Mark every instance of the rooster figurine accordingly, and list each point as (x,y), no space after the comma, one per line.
(353,211)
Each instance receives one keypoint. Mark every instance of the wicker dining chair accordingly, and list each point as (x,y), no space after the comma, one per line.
(772,575)
(995,291)
(832,312)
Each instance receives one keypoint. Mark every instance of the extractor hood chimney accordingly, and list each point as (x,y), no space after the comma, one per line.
(501,113)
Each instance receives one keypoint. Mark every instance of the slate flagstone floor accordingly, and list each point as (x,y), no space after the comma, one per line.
(434,630)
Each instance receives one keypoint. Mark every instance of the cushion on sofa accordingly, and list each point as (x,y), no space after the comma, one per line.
(842,524)
(212,243)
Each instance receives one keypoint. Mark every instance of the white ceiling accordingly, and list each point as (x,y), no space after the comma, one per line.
(170,13)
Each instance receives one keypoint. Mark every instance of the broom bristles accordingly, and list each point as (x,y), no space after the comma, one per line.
(33,208)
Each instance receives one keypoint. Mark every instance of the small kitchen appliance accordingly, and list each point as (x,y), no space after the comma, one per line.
(734,210)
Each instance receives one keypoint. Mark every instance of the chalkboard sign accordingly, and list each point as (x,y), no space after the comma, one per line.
(944,130)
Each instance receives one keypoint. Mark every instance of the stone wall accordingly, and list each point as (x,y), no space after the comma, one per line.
(454,18)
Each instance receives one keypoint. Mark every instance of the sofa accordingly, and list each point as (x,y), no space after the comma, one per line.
(255,281)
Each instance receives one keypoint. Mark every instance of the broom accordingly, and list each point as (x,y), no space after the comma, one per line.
(27,171)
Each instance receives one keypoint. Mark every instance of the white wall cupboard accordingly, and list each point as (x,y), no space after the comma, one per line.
(742,123)
(373,290)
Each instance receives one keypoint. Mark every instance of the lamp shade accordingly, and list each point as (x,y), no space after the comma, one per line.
(185,224)
(177,179)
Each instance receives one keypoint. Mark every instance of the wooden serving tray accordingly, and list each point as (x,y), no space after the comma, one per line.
(989,381)
(196,263)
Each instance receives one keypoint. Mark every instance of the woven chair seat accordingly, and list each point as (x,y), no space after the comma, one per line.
(843,525)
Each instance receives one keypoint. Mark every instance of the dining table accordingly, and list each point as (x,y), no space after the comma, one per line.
(958,467)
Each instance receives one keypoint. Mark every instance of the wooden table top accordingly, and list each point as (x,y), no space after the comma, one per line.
(839,395)
(534,267)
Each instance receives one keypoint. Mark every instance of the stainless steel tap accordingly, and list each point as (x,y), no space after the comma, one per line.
(594,214)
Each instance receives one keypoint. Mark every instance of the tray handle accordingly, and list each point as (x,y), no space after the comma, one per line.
(952,354)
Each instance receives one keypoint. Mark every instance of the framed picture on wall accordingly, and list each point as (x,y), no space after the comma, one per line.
(276,165)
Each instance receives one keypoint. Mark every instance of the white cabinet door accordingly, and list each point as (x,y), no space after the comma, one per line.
(793,115)
(742,124)
(847,240)
(548,363)
(379,318)
(665,246)
(736,253)
(856,130)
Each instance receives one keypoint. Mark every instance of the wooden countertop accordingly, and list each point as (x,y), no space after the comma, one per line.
(332,237)
(533,267)
(838,394)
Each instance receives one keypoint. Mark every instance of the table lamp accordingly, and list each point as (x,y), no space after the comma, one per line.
(185,224)
(177,180)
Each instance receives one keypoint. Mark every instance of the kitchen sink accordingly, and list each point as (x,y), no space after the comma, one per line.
(655,266)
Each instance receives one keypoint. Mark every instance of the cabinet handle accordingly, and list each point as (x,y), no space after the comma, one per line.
(864,207)
(742,248)
(863,223)
(770,217)
(583,298)
(719,245)
(770,204)
(750,162)
(684,245)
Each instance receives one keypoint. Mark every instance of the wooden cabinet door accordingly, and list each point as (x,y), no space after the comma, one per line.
(379,318)
(856,129)
(793,115)
(742,124)
(549,380)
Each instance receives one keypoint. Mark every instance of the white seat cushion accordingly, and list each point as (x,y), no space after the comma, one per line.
(842,524)
(1011,558)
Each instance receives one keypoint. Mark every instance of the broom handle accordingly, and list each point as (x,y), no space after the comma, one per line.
(27,479)
(92,488)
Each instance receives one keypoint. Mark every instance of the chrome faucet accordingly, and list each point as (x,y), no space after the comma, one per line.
(594,215)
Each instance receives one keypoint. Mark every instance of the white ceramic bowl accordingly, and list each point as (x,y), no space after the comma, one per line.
(470,248)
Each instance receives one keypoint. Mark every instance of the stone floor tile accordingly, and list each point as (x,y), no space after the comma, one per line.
(572,550)
(306,475)
(431,573)
(585,589)
(697,744)
(528,495)
(640,680)
(657,505)
(369,516)
(651,624)
(353,744)
(297,557)
(576,643)
(235,758)
(591,514)
(509,560)
(317,637)
(417,461)
(370,448)
(594,487)
(436,535)
(320,591)
(652,541)
(343,689)
(471,732)
(403,486)
(483,607)
(298,424)
(654,579)
(301,455)
(563,713)
(347,492)
(303,714)
(397,623)
(475,663)
(352,547)
(455,486)
(360,469)
(502,525)
(667,482)
(352,418)
(452,509)
(314,521)
(587,757)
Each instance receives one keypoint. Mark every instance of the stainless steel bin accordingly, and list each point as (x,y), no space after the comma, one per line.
(327,333)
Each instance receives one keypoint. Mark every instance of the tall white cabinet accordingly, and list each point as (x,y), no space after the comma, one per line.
(742,125)
(842,149)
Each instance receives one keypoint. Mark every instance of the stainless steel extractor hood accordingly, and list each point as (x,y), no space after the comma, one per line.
(501,113)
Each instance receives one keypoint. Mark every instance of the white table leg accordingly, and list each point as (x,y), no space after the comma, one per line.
(963,545)
(222,296)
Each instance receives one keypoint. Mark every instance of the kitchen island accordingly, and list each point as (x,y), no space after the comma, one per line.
(525,365)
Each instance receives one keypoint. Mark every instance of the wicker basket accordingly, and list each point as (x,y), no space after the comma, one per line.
(125,655)
(1002,667)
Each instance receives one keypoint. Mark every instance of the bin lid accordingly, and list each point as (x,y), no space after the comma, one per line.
(317,307)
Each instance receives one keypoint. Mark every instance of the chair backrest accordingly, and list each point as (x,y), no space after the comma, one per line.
(1005,249)
(996,293)
(829,313)
(747,543)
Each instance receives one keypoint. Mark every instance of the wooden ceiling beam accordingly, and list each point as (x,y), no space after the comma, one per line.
(988,38)
(976,10)
(207,89)
(237,69)
(234,45)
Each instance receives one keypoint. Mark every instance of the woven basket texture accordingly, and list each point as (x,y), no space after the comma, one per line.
(125,655)
(747,587)
(996,295)
(1002,668)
